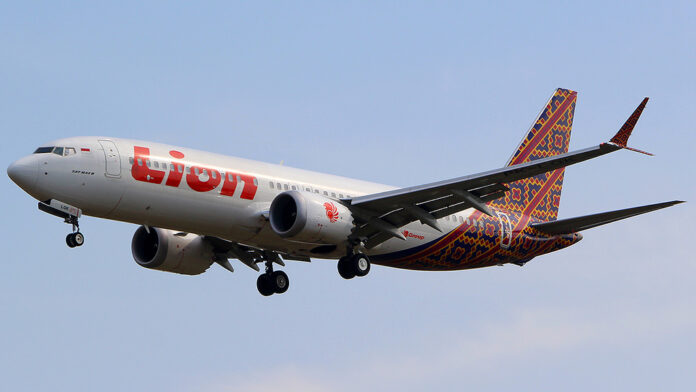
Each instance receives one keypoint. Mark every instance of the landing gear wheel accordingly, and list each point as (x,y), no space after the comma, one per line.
(70,240)
(264,284)
(345,269)
(78,239)
(360,264)
(279,281)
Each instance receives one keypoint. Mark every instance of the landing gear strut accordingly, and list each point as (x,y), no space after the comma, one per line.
(353,265)
(272,282)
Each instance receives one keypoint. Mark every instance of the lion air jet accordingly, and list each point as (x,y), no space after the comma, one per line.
(196,208)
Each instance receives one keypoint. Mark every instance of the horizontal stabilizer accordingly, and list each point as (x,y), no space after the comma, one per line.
(572,225)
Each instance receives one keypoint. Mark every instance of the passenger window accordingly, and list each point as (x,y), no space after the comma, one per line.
(181,169)
(188,170)
(214,174)
(280,187)
(294,188)
(256,182)
(447,217)
(156,164)
(340,195)
(130,160)
(171,167)
(285,186)
(140,162)
(196,171)
(333,194)
(271,184)
(147,162)
(461,220)
(58,151)
(326,193)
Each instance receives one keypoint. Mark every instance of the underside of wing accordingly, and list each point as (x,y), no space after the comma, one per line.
(379,216)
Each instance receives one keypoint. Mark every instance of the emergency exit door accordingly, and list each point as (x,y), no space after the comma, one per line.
(113,158)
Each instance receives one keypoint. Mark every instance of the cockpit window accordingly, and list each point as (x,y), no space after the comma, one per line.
(62,151)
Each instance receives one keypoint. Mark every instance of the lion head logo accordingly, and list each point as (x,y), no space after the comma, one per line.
(331,212)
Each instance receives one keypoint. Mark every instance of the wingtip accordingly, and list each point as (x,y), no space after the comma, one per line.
(621,137)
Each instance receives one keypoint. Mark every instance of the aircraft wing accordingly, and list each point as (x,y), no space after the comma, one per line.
(572,225)
(379,216)
(248,255)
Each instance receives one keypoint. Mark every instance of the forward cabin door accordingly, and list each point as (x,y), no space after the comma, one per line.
(113,158)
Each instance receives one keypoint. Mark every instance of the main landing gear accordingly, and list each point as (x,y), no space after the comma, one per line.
(272,282)
(353,265)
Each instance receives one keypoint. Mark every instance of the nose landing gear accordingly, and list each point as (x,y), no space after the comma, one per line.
(75,239)
(70,215)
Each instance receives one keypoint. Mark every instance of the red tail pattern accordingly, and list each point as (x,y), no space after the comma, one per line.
(539,196)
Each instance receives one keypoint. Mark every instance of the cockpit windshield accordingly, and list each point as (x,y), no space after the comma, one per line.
(61,151)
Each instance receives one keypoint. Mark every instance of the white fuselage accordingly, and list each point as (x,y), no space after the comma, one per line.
(194,191)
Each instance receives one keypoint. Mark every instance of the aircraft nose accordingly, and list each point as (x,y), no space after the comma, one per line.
(24,172)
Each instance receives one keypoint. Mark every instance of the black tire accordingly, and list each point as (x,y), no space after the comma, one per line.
(280,282)
(345,269)
(263,283)
(78,239)
(360,264)
(70,240)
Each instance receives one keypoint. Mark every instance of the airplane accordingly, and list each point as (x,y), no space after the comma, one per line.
(197,208)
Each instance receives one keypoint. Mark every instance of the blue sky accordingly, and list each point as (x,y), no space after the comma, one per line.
(401,93)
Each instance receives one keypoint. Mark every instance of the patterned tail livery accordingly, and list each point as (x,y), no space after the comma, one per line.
(539,196)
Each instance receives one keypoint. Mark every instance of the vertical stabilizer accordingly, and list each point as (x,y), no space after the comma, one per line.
(540,196)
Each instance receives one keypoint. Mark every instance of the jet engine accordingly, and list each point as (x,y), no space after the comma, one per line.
(309,217)
(170,251)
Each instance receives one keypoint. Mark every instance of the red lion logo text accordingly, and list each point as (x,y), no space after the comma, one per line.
(331,212)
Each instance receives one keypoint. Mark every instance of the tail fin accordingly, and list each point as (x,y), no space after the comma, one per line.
(540,196)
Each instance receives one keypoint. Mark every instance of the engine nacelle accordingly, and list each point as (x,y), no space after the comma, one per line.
(170,251)
(309,217)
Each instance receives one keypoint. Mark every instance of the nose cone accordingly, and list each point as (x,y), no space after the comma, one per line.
(24,172)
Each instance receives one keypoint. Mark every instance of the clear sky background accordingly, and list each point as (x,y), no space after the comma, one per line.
(401,93)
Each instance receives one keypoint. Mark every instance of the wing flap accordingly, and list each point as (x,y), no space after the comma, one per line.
(572,225)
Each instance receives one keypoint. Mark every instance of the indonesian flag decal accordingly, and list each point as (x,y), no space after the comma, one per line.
(331,212)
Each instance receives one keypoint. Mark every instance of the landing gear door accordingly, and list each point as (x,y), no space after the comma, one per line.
(505,230)
(113,158)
